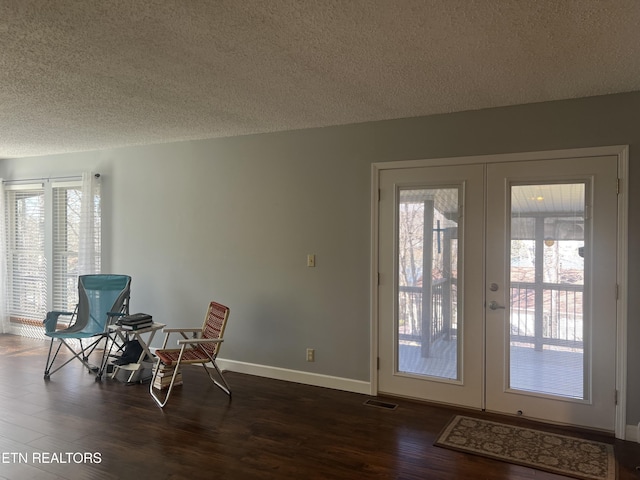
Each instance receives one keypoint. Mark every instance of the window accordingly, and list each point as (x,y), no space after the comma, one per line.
(45,247)
(27,268)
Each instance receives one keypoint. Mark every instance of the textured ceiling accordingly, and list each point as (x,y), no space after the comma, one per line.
(85,75)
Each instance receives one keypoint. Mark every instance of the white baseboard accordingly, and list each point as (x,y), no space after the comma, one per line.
(632,433)
(307,378)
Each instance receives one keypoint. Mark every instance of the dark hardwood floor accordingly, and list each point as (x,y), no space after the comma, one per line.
(270,430)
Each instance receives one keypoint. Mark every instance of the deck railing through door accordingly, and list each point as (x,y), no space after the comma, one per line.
(542,315)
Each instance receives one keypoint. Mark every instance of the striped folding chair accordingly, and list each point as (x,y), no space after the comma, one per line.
(202,348)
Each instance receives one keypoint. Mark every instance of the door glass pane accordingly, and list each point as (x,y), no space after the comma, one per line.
(548,325)
(427,299)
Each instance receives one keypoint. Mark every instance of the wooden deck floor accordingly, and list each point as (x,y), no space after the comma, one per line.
(547,371)
(270,430)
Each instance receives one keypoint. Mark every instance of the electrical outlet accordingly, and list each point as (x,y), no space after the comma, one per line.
(311,355)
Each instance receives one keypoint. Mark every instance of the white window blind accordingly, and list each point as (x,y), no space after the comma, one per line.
(44,224)
(66,216)
(26,253)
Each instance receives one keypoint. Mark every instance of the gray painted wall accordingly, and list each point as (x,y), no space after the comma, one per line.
(233,219)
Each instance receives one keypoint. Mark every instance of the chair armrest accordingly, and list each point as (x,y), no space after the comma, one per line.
(57,314)
(181,331)
(51,321)
(200,340)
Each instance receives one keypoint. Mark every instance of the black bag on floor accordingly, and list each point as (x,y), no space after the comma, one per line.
(131,353)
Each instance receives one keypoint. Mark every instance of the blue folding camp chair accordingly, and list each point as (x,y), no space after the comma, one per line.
(101,298)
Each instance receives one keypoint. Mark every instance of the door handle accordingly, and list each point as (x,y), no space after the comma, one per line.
(493,305)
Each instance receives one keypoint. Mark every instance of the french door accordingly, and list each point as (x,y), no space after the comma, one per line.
(430,261)
(497,287)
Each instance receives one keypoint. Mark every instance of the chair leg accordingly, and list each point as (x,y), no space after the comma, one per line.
(225,388)
(103,360)
(82,356)
(48,365)
(161,403)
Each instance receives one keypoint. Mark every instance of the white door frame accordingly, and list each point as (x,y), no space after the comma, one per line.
(620,151)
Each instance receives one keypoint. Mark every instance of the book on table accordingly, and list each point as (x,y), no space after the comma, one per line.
(136,327)
(136,318)
(135,321)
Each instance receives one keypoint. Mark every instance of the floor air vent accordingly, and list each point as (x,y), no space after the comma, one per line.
(379,404)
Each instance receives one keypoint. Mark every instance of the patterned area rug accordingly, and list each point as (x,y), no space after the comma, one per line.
(569,456)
